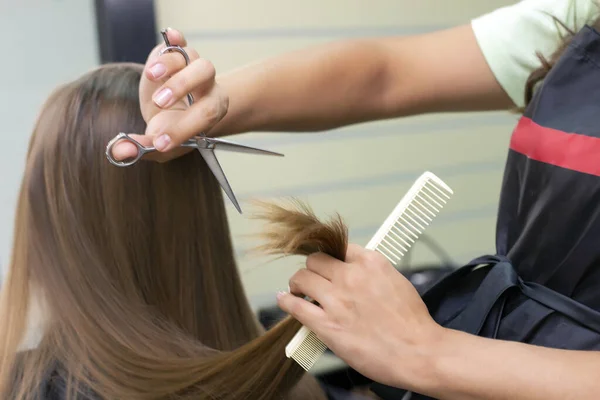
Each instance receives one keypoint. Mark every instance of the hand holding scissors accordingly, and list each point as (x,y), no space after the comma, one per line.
(172,73)
(205,145)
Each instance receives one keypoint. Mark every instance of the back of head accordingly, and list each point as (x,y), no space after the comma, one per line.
(146,236)
(133,268)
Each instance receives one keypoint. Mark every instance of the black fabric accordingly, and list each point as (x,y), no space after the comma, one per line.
(335,393)
(543,285)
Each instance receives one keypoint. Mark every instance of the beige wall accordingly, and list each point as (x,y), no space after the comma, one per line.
(362,171)
(46,43)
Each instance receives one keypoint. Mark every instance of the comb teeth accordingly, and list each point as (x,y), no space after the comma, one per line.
(413,214)
(305,348)
(403,227)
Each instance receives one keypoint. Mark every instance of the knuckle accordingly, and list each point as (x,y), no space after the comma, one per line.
(354,247)
(297,279)
(155,125)
(224,103)
(177,60)
(206,67)
(380,260)
(192,53)
(212,111)
(302,274)
(293,283)
(293,286)
(311,261)
(295,308)
(173,62)
(180,84)
(373,259)
(351,279)
(334,302)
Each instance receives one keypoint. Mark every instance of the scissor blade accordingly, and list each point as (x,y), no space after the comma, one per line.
(213,163)
(227,145)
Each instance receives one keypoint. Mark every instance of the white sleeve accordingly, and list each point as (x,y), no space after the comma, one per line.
(511,36)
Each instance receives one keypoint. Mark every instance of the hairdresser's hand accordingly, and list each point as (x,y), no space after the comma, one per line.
(370,315)
(165,82)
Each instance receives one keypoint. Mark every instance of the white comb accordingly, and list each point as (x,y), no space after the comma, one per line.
(401,229)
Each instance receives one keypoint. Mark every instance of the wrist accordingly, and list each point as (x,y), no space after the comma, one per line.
(429,369)
(241,115)
(416,365)
(429,373)
(450,365)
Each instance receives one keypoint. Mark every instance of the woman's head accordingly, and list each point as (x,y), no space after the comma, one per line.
(131,270)
(134,258)
(152,235)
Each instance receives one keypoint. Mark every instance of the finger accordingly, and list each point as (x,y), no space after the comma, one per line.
(324,265)
(168,64)
(198,77)
(307,283)
(310,315)
(367,258)
(172,127)
(176,38)
(125,150)
(171,155)
(354,253)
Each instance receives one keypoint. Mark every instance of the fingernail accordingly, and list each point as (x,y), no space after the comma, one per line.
(162,142)
(163,97)
(158,70)
(171,29)
(280,295)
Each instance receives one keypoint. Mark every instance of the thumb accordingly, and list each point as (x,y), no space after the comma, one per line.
(162,129)
(124,149)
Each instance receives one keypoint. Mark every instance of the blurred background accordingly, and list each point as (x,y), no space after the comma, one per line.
(360,172)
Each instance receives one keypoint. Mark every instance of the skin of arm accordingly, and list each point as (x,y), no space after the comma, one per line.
(373,318)
(317,88)
(355,81)
(466,367)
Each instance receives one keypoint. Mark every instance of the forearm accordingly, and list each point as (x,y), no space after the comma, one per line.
(308,90)
(354,81)
(464,366)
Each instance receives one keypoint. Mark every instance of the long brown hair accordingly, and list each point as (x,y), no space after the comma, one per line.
(134,268)
(131,271)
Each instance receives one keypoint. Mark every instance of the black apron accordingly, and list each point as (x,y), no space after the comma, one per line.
(543,285)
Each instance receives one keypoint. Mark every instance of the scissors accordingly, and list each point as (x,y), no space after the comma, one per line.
(205,145)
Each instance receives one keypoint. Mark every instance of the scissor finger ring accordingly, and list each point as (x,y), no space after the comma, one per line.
(181,51)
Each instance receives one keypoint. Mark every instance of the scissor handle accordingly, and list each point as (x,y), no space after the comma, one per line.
(181,51)
(126,163)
